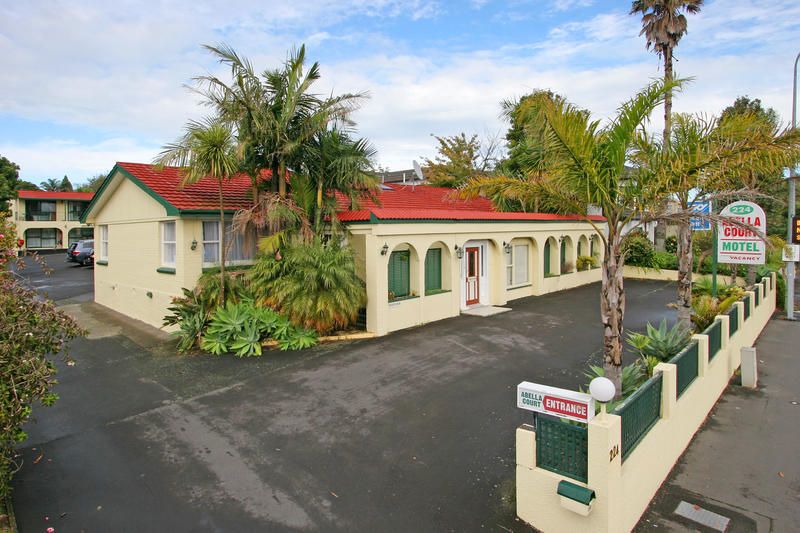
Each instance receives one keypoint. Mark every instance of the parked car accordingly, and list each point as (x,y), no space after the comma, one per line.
(81,252)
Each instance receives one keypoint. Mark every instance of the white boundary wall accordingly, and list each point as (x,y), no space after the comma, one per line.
(624,490)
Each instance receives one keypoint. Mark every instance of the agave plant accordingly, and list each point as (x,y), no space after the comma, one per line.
(662,342)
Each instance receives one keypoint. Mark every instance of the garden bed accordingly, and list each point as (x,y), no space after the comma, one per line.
(340,336)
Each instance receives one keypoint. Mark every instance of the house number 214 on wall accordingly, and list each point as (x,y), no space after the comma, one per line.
(613,452)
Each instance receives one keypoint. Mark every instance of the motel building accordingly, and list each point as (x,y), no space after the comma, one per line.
(50,220)
(423,255)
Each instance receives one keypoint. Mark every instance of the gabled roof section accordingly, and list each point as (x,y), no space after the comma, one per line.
(55,195)
(163,184)
(423,202)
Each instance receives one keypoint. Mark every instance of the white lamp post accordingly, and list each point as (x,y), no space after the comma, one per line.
(602,390)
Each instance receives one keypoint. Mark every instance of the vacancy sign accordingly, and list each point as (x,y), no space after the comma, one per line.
(741,245)
(556,402)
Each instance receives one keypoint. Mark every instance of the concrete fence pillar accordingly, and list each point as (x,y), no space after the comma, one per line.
(605,471)
(702,354)
(526,446)
(669,388)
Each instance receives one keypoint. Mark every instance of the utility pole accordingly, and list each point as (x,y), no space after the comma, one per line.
(790,264)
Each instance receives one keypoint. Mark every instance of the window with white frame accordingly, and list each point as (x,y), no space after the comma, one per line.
(238,249)
(104,243)
(169,245)
(517,265)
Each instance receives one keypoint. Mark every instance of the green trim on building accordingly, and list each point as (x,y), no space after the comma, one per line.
(165,270)
(547,271)
(399,274)
(101,263)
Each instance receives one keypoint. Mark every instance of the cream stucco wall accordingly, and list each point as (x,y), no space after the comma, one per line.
(624,490)
(129,280)
(384,316)
(17,215)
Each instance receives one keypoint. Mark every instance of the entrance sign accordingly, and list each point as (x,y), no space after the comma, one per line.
(562,403)
(700,224)
(740,245)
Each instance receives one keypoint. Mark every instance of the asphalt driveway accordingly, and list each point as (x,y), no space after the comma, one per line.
(409,432)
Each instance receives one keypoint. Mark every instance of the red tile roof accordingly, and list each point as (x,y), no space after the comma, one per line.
(395,202)
(200,196)
(55,195)
(424,202)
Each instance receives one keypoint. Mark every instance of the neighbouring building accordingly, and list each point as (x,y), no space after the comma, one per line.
(50,220)
(422,255)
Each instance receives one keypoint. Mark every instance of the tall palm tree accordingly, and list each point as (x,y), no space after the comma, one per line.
(51,184)
(706,157)
(207,149)
(275,113)
(663,25)
(332,161)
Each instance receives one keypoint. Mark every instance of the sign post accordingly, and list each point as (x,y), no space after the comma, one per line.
(737,244)
(561,403)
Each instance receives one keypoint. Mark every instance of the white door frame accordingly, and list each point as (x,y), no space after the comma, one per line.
(483,278)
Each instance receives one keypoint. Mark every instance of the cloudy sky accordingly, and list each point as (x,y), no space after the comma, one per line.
(88,83)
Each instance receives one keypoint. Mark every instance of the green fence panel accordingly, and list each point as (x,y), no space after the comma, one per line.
(733,314)
(687,363)
(562,448)
(639,413)
(714,332)
(746,306)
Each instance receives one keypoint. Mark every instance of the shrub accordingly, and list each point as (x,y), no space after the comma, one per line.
(671,244)
(665,261)
(313,284)
(586,262)
(638,250)
(190,314)
(661,343)
(706,308)
(208,287)
(31,329)
(780,283)
(632,378)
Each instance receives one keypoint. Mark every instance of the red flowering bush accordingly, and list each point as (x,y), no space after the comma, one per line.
(32,330)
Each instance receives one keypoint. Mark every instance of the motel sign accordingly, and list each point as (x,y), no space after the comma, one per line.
(739,245)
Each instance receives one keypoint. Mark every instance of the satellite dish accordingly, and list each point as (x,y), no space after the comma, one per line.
(418,171)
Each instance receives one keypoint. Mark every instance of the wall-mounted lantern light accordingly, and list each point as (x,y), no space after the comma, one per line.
(507,247)
(194,244)
(459,251)
(385,249)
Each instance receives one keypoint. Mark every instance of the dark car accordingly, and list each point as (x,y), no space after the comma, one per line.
(81,252)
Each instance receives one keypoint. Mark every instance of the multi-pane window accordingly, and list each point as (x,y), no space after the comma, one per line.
(237,247)
(168,243)
(75,210)
(41,238)
(399,274)
(517,265)
(40,210)
(103,242)
(79,234)
(433,270)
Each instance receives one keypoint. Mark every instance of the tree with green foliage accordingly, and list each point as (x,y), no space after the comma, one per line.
(459,158)
(32,329)
(65,185)
(207,149)
(93,184)
(23,185)
(663,25)
(9,181)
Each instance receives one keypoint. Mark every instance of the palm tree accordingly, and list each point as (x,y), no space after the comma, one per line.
(332,161)
(207,149)
(663,25)
(51,184)
(276,114)
(706,157)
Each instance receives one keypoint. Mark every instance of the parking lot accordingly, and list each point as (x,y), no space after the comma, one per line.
(409,432)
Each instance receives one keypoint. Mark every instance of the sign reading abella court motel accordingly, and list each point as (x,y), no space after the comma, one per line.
(556,402)
(741,245)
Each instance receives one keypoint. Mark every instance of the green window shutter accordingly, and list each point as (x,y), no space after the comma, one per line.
(433,270)
(563,254)
(547,258)
(399,273)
